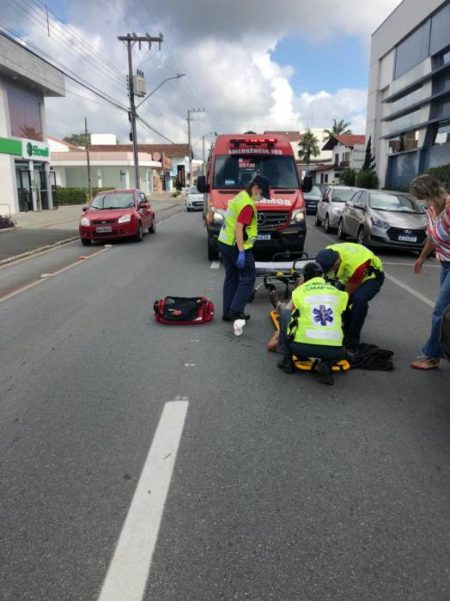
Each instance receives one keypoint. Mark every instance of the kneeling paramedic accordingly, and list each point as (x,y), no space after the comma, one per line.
(312,325)
(236,238)
(360,273)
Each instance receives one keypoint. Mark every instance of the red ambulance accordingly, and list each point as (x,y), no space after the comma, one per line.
(233,162)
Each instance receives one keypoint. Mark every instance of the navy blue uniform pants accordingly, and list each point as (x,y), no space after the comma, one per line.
(239,283)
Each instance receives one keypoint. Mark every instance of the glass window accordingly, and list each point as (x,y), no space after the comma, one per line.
(340,195)
(442,135)
(193,190)
(440,26)
(413,50)
(397,203)
(440,108)
(25,116)
(405,122)
(446,58)
(235,172)
(404,142)
(119,200)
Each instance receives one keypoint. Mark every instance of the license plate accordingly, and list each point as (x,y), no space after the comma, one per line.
(407,238)
(263,237)
(103,229)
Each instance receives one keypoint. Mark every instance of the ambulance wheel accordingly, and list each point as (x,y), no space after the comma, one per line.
(85,241)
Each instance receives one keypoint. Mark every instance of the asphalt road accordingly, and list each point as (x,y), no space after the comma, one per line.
(281,488)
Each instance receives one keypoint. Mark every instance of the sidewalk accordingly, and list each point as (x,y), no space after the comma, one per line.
(36,231)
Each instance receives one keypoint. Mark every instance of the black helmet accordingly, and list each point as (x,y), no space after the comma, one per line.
(312,270)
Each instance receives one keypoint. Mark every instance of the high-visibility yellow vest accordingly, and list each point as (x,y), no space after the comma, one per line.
(352,256)
(227,234)
(319,319)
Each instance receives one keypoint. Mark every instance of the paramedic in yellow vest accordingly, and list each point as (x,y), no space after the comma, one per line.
(360,273)
(236,238)
(311,325)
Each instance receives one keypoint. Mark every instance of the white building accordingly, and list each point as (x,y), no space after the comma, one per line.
(408,111)
(25,80)
(347,152)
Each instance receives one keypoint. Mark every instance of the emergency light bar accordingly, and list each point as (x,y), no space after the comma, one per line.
(236,142)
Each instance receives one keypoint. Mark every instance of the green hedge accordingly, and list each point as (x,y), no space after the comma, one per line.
(368,179)
(442,173)
(75,196)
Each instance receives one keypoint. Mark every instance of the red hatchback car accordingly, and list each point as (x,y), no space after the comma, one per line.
(117,214)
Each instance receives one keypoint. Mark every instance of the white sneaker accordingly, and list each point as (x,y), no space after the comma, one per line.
(238,326)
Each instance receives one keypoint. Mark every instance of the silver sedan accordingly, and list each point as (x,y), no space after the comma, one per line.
(331,205)
(383,218)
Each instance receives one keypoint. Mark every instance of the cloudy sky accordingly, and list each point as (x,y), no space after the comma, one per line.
(251,64)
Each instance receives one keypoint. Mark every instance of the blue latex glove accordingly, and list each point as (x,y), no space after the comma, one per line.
(240,262)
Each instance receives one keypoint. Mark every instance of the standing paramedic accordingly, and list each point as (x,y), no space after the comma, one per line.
(360,273)
(236,238)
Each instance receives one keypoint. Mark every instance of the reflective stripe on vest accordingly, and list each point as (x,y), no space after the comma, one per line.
(320,307)
(227,233)
(352,256)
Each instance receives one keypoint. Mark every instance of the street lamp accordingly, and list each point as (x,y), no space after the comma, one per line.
(177,76)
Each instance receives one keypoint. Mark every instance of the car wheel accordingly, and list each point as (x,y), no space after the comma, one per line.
(152,228)
(326,225)
(188,209)
(340,232)
(85,242)
(360,236)
(317,221)
(213,253)
(139,233)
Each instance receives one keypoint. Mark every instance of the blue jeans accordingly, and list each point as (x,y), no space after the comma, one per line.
(432,347)
(359,303)
(239,283)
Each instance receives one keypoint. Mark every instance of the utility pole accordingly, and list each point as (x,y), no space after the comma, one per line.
(131,40)
(190,111)
(87,141)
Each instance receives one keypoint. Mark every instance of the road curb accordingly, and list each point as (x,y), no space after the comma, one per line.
(36,251)
(4,230)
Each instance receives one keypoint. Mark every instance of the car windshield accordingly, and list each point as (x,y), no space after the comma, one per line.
(193,190)
(342,195)
(236,172)
(115,200)
(316,191)
(396,203)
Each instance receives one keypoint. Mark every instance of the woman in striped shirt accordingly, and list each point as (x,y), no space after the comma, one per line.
(430,190)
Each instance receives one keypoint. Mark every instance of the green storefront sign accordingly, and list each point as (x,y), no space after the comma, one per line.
(33,150)
(8,146)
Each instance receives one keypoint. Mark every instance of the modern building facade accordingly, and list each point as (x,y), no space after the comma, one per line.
(25,80)
(408,113)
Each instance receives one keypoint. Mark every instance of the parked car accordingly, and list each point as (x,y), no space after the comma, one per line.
(331,205)
(383,218)
(117,214)
(312,198)
(194,199)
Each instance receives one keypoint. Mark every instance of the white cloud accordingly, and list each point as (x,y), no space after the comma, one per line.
(225,49)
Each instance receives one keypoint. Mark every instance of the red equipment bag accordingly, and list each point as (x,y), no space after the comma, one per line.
(181,311)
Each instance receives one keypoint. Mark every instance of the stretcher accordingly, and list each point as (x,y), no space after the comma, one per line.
(285,271)
(310,364)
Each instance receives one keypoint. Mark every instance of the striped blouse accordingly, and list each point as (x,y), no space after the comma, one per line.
(438,231)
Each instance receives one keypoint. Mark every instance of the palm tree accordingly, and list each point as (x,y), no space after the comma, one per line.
(308,147)
(338,127)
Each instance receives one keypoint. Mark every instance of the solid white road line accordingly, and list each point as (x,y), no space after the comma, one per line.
(391,278)
(215,264)
(421,297)
(128,572)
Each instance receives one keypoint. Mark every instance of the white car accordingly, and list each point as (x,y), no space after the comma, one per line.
(194,199)
(331,205)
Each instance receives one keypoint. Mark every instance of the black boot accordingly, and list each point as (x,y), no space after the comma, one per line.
(325,373)
(286,365)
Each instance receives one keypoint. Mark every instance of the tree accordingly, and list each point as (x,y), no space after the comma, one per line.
(338,127)
(369,160)
(347,177)
(308,147)
(78,139)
